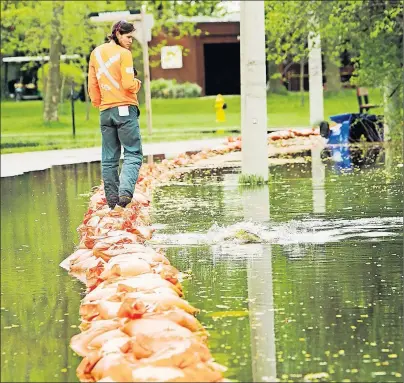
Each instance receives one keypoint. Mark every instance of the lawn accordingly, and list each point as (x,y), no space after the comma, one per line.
(22,127)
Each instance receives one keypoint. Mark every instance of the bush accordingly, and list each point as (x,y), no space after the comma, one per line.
(162,88)
(68,74)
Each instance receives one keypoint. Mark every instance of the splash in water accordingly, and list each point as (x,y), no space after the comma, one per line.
(293,232)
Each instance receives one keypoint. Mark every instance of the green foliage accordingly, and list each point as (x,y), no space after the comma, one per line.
(162,88)
(68,73)
(26,28)
(370,31)
(25,25)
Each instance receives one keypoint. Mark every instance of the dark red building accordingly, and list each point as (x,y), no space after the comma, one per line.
(212,59)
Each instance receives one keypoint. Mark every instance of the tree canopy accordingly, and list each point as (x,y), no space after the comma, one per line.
(370,30)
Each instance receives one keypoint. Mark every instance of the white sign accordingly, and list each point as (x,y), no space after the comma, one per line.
(171,57)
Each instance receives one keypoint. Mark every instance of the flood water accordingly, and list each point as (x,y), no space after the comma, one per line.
(320,291)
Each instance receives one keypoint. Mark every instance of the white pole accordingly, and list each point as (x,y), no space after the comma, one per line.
(146,69)
(315,80)
(253,89)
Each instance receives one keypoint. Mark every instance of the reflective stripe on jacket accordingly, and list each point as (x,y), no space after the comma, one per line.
(111,80)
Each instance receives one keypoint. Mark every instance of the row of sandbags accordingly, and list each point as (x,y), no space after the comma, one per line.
(292,133)
(136,325)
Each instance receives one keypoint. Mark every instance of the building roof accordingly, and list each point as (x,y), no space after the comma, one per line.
(230,8)
(228,18)
(19,59)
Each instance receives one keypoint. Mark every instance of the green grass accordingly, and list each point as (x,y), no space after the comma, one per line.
(251,180)
(22,127)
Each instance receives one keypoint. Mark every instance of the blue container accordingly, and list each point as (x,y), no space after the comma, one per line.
(340,135)
(340,118)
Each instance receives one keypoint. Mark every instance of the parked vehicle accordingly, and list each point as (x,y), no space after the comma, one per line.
(27,91)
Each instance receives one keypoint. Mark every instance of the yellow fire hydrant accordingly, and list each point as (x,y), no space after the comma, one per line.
(220,106)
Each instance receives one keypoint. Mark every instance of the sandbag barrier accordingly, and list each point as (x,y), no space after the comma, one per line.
(292,133)
(136,325)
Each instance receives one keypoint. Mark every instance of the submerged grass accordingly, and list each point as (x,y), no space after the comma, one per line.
(251,180)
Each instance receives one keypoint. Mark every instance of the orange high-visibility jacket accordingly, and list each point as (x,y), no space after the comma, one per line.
(111,80)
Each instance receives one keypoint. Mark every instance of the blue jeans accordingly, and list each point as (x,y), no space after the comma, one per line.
(120,131)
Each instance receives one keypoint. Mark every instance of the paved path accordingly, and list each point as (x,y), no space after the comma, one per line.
(19,163)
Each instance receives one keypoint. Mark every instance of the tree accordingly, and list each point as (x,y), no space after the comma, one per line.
(51,28)
(288,25)
(52,92)
(63,27)
(370,30)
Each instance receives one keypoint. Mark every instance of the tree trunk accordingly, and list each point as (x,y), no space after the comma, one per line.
(274,84)
(332,74)
(52,94)
(393,118)
(62,97)
(302,82)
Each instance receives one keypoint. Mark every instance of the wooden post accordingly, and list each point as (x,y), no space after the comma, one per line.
(146,69)
(88,105)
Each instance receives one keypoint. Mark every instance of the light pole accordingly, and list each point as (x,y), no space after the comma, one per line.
(253,89)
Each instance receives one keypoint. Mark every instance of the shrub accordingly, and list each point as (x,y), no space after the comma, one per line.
(162,88)
(68,73)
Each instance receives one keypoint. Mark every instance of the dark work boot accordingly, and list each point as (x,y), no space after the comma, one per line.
(113,201)
(124,200)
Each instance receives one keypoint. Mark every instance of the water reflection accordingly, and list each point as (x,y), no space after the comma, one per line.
(346,157)
(318,180)
(339,302)
(40,212)
(256,207)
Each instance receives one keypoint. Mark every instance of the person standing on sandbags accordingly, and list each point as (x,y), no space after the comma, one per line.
(113,89)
